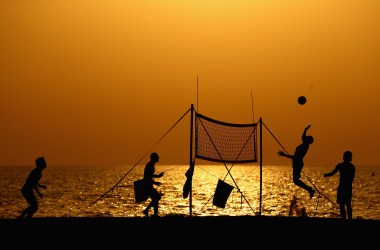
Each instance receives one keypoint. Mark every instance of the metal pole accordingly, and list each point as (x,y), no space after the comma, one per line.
(191,158)
(261,162)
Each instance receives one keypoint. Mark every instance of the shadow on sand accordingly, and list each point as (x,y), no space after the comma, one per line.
(185,231)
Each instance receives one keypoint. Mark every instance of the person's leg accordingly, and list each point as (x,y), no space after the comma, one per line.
(24,212)
(32,209)
(342,209)
(349,210)
(303,185)
(32,201)
(151,203)
(155,199)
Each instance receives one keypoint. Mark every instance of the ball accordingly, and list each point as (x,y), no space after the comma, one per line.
(302,100)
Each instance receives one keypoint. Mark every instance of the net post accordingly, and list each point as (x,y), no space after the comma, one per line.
(261,163)
(191,157)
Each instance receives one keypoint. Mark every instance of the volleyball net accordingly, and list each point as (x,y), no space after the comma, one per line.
(219,141)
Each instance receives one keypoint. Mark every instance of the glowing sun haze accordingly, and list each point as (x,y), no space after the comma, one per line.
(100,82)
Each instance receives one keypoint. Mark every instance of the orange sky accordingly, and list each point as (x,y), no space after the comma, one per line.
(100,82)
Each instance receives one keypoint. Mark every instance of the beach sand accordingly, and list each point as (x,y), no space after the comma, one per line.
(168,231)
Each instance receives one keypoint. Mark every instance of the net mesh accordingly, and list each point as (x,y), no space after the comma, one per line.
(225,142)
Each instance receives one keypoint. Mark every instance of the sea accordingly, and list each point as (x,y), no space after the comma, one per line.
(234,190)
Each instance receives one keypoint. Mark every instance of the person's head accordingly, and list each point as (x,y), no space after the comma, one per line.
(347,156)
(154,157)
(40,162)
(308,139)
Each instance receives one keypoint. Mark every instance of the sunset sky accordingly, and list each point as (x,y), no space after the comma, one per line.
(90,82)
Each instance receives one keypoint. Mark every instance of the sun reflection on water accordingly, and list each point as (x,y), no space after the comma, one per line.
(89,192)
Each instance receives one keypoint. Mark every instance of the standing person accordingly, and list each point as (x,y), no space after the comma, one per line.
(346,178)
(297,160)
(32,184)
(149,175)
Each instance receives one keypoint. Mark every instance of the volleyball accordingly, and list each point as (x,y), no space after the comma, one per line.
(302,100)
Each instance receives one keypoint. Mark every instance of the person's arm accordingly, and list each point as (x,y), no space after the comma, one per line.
(353,176)
(41,185)
(304,132)
(282,153)
(158,175)
(38,191)
(335,170)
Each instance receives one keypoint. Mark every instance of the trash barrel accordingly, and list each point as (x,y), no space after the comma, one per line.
(222,193)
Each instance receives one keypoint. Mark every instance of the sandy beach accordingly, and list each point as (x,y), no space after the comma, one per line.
(213,231)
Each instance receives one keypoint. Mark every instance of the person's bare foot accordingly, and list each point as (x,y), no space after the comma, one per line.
(312,193)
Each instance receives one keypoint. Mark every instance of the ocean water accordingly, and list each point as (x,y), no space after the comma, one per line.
(108,191)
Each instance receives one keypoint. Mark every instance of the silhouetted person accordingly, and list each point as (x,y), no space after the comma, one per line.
(32,184)
(346,178)
(295,210)
(297,160)
(149,175)
(293,206)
